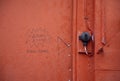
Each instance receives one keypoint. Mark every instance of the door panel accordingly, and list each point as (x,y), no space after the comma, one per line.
(107,30)
(107,76)
(35,40)
(85,19)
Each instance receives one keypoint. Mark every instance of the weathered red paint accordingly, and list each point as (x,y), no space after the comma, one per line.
(85,20)
(107,20)
(35,40)
(39,40)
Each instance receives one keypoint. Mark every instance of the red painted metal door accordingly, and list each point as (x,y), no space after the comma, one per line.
(101,18)
(39,40)
(35,40)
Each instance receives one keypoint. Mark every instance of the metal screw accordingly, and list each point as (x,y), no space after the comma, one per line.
(69,55)
(70,69)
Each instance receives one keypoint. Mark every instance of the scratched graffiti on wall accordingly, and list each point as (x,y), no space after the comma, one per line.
(37,40)
(40,41)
